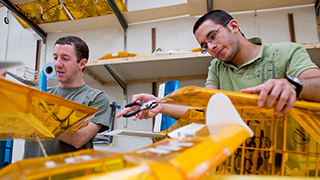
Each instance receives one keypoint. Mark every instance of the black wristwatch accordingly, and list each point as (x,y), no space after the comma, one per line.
(297,82)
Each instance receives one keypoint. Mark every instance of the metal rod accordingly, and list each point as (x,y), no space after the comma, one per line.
(7,40)
(41,146)
(38,57)
(153,39)
(209,5)
(291,28)
(20,79)
(125,40)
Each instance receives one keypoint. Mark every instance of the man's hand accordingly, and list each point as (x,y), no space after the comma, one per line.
(3,73)
(278,90)
(145,114)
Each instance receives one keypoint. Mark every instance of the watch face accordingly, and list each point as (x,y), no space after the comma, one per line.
(295,79)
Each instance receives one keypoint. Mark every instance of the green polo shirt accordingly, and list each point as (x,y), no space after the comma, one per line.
(274,61)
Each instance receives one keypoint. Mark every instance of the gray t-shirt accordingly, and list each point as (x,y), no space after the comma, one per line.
(84,95)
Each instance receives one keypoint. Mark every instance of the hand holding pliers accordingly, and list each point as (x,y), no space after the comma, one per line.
(148,105)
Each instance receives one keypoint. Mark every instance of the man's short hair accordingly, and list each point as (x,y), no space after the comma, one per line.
(217,16)
(81,48)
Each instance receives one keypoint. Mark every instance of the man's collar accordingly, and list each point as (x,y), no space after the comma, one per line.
(257,41)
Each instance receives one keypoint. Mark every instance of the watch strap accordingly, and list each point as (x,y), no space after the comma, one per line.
(297,84)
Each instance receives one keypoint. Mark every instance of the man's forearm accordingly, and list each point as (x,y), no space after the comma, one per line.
(311,89)
(173,110)
(81,137)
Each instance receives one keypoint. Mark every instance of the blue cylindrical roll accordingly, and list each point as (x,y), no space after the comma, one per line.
(49,71)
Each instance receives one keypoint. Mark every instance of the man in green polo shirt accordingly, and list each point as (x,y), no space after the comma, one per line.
(281,71)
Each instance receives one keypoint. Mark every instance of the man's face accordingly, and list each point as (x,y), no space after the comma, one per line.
(65,63)
(220,42)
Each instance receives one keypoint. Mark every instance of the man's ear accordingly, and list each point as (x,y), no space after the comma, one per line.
(234,25)
(83,63)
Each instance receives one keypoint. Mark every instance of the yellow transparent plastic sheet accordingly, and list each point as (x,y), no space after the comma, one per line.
(188,158)
(282,145)
(65,166)
(193,115)
(53,11)
(26,111)
(254,177)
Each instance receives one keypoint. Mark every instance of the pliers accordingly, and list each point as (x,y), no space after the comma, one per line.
(148,105)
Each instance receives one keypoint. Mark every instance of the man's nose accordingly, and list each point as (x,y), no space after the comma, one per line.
(58,62)
(211,45)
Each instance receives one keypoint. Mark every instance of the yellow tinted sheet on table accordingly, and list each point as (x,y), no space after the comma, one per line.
(26,111)
(188,158)
(253,177)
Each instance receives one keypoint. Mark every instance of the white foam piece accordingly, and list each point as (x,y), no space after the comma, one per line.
(220,110)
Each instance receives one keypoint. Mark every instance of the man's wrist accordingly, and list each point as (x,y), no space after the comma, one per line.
(297,83)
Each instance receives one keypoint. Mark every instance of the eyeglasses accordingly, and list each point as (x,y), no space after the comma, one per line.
(211,37)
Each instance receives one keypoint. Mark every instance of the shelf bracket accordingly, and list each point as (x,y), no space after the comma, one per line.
(118,13)
(124,88)
(119,81)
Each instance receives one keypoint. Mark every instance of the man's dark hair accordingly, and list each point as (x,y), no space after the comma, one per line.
(81,48)
(217,16)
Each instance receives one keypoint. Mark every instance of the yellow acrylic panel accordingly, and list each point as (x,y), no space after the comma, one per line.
(26,111)
(49,11)
(14,123)
(65,166)
(286,145)
(193,115)
(253,177)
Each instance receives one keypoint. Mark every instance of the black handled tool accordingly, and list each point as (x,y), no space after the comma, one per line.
(148,105)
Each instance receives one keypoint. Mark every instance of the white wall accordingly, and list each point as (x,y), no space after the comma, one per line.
(175,34)
(16,43)
(273,25)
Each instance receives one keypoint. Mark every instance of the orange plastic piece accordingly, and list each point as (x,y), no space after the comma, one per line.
(119,55)
(196,49)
